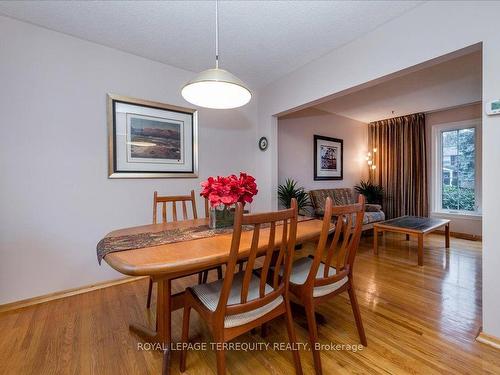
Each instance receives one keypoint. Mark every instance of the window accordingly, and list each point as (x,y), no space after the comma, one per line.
(457,168)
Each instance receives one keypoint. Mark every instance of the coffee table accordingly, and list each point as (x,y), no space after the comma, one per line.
(412,225)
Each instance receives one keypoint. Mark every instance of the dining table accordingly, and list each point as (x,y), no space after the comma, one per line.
(187,256)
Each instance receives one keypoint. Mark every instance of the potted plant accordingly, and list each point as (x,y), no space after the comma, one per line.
(223,193)
(373,193)
(289,190)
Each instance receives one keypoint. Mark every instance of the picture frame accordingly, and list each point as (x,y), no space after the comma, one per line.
(148,139)
(328,158)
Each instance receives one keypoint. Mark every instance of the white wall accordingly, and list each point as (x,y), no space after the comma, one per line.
(55,198)
(427,32)
(295,149)
(468,224)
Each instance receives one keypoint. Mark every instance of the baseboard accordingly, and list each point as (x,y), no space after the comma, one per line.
(463,236)
(65,293)
(488,340)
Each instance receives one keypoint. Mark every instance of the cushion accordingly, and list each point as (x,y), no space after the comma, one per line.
(370,207)
(368,218)
(372,217)
(209,296)
(300,271)
(340,197)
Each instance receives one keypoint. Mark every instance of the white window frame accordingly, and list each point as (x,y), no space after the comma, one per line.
(436,201)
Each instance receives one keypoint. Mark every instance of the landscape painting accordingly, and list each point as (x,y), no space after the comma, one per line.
(148,139)
(154,140)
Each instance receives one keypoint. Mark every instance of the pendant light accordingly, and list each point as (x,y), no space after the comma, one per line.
(216,88)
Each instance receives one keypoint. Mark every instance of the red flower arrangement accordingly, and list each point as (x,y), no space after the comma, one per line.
(229,190)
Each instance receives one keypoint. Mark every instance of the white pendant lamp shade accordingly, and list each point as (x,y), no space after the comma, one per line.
(216,88)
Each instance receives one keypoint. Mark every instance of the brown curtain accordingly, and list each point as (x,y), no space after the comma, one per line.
(401,164)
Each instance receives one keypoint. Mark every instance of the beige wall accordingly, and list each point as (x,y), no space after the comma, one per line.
(295,148)
(459,223)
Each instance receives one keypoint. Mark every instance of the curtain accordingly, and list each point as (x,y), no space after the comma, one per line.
(401,164)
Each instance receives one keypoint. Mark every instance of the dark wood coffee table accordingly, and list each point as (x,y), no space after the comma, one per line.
(412,225)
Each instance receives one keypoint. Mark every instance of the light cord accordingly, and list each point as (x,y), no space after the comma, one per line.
(216,34)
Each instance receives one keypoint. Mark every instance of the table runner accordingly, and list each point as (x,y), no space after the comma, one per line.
(148,239)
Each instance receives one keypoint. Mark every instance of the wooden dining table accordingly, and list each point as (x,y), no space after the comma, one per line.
(167,262)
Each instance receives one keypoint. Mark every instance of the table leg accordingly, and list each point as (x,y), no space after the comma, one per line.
(375,240)
(420,249)
(447,235)
(165,368)
(163,322)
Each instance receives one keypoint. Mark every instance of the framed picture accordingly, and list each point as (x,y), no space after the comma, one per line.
(328,158)
(151,140)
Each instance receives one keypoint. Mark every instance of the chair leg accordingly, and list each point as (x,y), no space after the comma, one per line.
(185,337)
(221,360)
(150,291)
(205,277)
(292,338)
(313,336)
(200,277)
(219,272)
(357,315)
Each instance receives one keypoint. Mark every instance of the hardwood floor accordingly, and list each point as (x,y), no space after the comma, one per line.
(418,320)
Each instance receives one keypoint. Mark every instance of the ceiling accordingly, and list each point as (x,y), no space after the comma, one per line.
(445,85)
(260,41)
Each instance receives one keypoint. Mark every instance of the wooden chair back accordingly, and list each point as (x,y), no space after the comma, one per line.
(286,220)
(173,200)
(341,253)
(207,208)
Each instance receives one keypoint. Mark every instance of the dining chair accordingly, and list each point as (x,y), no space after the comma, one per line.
(244,300)
(173,200)
(317,279)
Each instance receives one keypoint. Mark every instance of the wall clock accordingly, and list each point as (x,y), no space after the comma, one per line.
(263,143)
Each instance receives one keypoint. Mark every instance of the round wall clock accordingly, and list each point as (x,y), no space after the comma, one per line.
(263,143)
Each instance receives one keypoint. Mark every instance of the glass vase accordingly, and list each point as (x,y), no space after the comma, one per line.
(221,216)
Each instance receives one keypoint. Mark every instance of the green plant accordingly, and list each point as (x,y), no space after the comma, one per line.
(289,190)
(372,192)
(455,198)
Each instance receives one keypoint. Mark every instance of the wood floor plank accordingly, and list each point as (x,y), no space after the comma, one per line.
(418,320)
